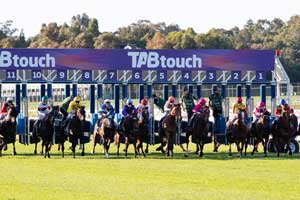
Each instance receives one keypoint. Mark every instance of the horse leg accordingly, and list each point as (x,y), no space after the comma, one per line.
(35,148)
(197,149)
(105,148)
(14,149)
(142,148)
(254,146)
(126,147)
(118,148)
(63,149)
(187,148)
(94,145)
(230,153)
(246,146)
(49,149)
(238,149)
(73,148)
(82,151)
(42,151)
(201,148)
(289,147)
(277,146)
(146,150)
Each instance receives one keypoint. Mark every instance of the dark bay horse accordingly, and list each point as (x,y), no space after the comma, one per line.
(106,131)
(75,129)
(260,132)
(131,130)
(200,130)
(143,125)
(282,132)
(170,128)
(239,134)
(45,131)
(8,128)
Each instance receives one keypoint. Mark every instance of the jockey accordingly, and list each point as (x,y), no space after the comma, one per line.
(43,109)
(200,107)
(65,105)
(5,106)
(107,109)
(129,108)
(285,106)
(259,111)
(237,107)
(141,106)
(169,105)
(73,106)
(278,111)
(159,102)
(167,108)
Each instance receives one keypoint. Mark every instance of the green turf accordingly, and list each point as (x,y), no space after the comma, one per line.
(215,176)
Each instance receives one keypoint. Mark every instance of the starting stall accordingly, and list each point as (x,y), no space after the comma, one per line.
(117,70)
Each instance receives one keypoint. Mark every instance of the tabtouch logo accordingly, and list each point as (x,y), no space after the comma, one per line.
(154,60)
(7,59)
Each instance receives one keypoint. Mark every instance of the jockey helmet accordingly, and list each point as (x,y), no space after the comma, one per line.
(129,101)
(262,104)
(202,101)
(282,101)
(171,99)
(77,99)
(215,89)
(106,101)
(185,89)
(144,101)
(45,98)
(239,100)
(9,99)
(279,107)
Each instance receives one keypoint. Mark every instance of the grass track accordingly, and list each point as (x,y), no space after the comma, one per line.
(216,176)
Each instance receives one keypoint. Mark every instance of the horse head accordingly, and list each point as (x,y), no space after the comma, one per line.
(80,113)
(12,114)
(176,111)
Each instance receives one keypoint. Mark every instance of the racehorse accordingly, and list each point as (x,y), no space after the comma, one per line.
(143,124)
(75,129)
(106,131)
(282,132)
(45,131)
(239,134)
(8,129)
(260,132)
(131,130)
(200,130)
(169,125)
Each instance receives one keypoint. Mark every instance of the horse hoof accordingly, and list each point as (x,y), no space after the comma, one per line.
(146,151)
(186,155)
(197,152)
(34,152)
(230,154)
(82,153)
(265,155)
(92,152)
(252,153)
(201,155)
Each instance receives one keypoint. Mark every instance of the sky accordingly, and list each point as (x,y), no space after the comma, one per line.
(111,14)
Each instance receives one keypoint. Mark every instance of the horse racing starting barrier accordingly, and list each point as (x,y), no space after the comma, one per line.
(118,69)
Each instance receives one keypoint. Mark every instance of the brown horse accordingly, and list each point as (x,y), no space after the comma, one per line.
(75,130)
(200,130)
(260,133)
(282,132)
(8,129)
(106,131)
(170,128)
(143,124)
(239,135)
